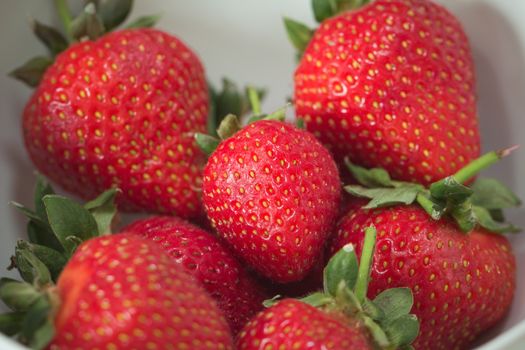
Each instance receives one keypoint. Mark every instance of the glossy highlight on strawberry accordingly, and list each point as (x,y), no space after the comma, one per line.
(272,191)
(392,85)
(210,261)
(121,112)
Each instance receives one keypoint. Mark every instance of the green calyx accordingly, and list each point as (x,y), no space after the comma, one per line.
(230,123)
(96,19)
(57,225)
(481,204)
(387,317)
(229,99)
(300,34)
(33,306)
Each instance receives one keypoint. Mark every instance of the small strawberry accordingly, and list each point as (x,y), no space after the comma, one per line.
(389,84)
(272,191)
(210,261)
(341,317)
(463,283)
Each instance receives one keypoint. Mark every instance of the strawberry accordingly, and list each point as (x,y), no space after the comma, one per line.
(272,191)
(122,290)
(120,110)
(463,283)
(210,261)
(111,292)
(390,84)
(341,317)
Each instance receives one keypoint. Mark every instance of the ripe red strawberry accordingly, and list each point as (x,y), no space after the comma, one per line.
(344,318)
(121,111)
(391,84)
(292,324)
(462,284)
(272,191)
(211,262)
(123,291)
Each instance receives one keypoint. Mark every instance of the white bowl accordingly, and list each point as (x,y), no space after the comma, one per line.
(245,40)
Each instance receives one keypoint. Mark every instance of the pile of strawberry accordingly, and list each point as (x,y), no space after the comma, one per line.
(409,254)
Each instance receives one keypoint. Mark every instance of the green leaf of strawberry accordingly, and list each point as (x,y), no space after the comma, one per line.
(31,268)
(32,71)
(480,204)
(324,9)
(50,37)
(87,25)
(67,219)
(342,267)
(11,323)
(298,33)
(54,260)
(492,194)
(144,22)
(114,12)
(18,296)
(103,210)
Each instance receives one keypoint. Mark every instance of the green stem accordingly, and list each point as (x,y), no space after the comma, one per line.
(255,101)
(65,16)
(426,204)
(365,263)
(483,162)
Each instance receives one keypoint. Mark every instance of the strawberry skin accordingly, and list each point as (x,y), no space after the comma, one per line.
(291,324)
(211,262)
(123,291)
(272,191)
(392,85)
(121,112)
(462,284)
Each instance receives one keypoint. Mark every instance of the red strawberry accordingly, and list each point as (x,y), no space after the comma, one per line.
(292,324)
(123,291)
(462,273)
(391,84)
(272,191)
(462,284)
(345,319)
(210,261)
(121,111)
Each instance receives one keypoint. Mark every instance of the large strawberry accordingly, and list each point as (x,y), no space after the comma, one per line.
(463,283)
(341,317)
(119,110)
(272,191)
(389,84)
(210,261)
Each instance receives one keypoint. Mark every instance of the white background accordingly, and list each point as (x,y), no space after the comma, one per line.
(245,40)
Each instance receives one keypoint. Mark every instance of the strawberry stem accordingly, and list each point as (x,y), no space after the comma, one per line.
(255,101)
(65,16)
(477,165)
(365,263)
(426,204)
